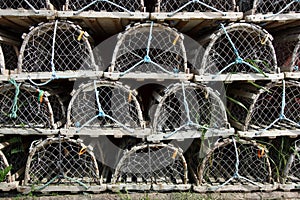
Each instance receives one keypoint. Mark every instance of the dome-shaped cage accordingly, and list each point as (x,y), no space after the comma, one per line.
(239,48)
(236,160)
(292,169)
(4,166)
(149,47)
(10,56)
(25,4)
(61,160)
(56,46)
(191,6)
(287,48)
(276,106)
(189,107)
(23,106)
(269,6)
(109,6)
(152,164)
(105,105)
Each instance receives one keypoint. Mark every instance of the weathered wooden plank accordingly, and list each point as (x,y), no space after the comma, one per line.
(149,76)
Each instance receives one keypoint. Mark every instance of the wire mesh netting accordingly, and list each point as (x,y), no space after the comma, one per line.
(104,104)
(10,53)
(269,6)
(3,165)
(292,168)
(61,161)
(239,48)
(152,164)
(24,106)
(189,106)
(25,4)
(191,6)
(109,6)
(56,46)
(288,52)
(150,47)
(261,107)
(221,163)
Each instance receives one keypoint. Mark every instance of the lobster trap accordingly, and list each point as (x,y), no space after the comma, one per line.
(269,6)
(103,105)
(56,47)
(108,6)
(149,48)
(9,61)
(234,161)
(187,110)
(153,165)
(173,6)
(237,50)
(24,4)
(61,161)
(4,165)
(291,172)
(262,110)
(23,106)
(288,52)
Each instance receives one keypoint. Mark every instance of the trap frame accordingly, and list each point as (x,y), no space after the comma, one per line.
(270,110)
(238,51)
(156,166)
(149,50)
(186,110)
(9,61)
(234,161)
(103,107)
(61,161)
(58,46)
(4,164)
(291,172)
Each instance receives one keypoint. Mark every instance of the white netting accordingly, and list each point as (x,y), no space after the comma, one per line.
(17,4)
(24,106)
(264,105)
(152,164)
(173,5)
(292,168)
(104,5)
(287,48)
(150,47)
(10,53)
(187,106)
(56,46)
(269,6)
(221,163)
(104,104)
(239,48)
(61,161)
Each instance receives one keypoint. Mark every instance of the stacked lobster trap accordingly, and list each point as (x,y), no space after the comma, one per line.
(156,95)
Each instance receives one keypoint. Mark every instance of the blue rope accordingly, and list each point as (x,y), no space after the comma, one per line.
(106,1)
(281,11)
(199,2)
(14,109)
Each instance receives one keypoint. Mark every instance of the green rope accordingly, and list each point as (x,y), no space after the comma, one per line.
(14,110)
(41,95)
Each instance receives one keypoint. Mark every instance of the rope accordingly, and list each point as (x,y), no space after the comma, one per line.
(14,109)
(32,7)
(106,1)
(51,62)
(41,96)
(282,10)
(199,2)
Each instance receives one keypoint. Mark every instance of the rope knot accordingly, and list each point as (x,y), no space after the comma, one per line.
(239,60)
